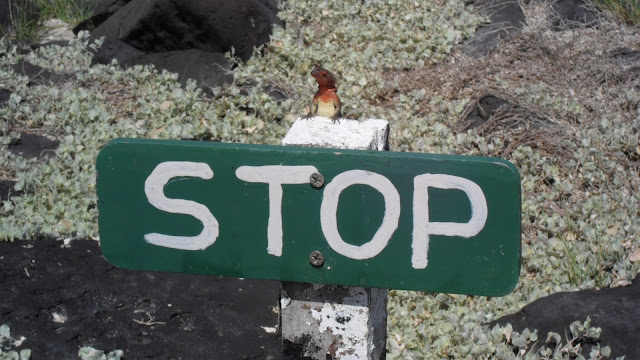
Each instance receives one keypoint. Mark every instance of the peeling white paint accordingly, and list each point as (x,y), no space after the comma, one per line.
(59,318)
(269,329)
(284,300)
(351,321)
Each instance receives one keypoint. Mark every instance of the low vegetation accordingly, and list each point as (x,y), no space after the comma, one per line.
(27,16)
(395,60)
(626,10)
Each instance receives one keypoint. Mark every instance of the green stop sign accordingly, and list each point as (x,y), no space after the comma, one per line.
(413,221)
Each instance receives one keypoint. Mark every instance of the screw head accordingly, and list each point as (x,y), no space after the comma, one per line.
(316,180)
(316,258)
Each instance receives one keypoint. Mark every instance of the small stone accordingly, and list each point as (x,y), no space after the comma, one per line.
(634,255)
(59,318)
(56,29)
(165,105)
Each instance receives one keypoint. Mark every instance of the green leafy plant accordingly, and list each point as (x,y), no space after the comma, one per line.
(26,16)
(89,353)
(23,22)
(70,11)
(627,10)
(7,342)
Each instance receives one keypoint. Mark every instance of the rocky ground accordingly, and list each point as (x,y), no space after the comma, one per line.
(59,298)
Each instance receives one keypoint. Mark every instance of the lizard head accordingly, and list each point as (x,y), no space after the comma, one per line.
(323,76)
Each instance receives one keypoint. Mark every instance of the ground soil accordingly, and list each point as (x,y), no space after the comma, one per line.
(63,297)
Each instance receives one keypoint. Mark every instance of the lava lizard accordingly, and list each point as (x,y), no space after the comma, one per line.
(325,102)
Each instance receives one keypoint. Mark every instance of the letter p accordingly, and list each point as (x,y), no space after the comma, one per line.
(422,228)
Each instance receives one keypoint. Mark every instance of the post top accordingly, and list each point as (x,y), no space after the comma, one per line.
(371,134)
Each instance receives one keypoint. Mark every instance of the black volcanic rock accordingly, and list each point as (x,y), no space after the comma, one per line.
(115,49)
(209,69)
(170,25)
(615,310)
(568,13)
(7,190)
(34,146)
(103,9)
(487,107)
(506,18)
(37,75)
(185,37)
(5,95)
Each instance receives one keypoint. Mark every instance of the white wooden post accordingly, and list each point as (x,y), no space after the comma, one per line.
(322,322)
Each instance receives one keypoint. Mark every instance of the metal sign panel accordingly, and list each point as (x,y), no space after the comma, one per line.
(436,223)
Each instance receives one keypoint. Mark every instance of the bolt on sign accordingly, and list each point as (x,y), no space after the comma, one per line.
(437,223)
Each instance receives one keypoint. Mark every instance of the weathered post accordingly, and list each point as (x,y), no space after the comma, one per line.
(320,322)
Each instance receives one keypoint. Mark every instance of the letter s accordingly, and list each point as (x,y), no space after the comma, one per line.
(154,189)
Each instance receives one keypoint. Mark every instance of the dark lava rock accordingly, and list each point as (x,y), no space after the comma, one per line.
(4,96)
(171,25)
(626,57)
(114,49)
(569,13)
(26,10)
(487,107)
(186,37)
(34,146)
(23,47)
(37,75)
(506,18)
(209,69)
(275,92)
(6,189)
(62,299)
(101,12)
(615,310)
(61,43)
(631,74)
(629,62)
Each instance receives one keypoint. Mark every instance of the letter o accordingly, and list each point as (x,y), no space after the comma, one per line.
(329,212)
